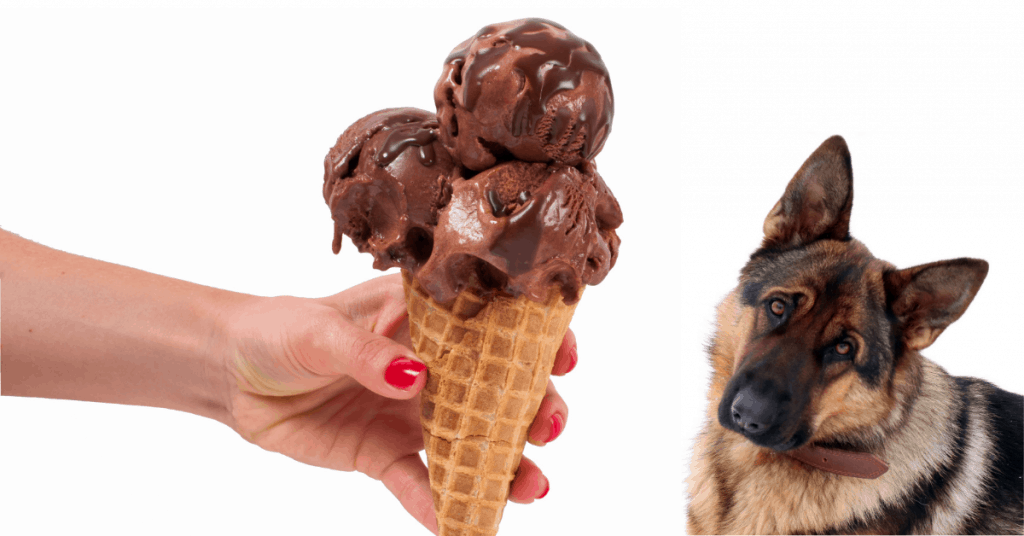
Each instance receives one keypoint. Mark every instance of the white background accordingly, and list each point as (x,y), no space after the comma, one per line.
(190,143)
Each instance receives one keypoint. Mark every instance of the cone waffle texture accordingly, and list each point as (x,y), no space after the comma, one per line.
(488,362)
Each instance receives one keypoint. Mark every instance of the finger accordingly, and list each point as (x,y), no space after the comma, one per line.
(529,484)
(408,481)
(550,420)
(375,361)
(377,305)
(565,359)
(401,333)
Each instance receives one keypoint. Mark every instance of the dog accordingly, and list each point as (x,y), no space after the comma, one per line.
(823,416)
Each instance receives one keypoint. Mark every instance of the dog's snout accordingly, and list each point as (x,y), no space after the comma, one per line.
(752,413)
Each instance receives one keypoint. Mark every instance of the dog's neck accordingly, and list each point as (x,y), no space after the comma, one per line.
(840,462)
(903,425)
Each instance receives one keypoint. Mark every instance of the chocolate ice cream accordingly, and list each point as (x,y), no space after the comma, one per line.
(522,228)
(499,190)
(526,88)
(385,180)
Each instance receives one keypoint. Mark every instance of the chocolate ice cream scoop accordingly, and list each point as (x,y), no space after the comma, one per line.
(385,180)
(520,228)
(526,89)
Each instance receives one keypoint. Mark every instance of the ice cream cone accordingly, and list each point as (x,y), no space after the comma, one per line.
(488,364)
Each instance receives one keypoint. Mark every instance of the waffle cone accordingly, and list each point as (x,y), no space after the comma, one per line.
(488,362)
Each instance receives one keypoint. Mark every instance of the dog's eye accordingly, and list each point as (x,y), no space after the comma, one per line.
(777,307)
(843,350)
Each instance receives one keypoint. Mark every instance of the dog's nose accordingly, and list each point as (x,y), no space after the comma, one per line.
(752,413)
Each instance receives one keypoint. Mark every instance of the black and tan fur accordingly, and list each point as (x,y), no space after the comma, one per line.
(822,341)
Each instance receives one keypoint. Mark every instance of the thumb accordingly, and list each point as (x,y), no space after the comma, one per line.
(378,363)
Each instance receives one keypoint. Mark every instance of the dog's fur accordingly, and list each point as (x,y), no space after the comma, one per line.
(840,368)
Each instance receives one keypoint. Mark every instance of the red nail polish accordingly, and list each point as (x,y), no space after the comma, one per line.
(547,488)
(573,358)
(556,427)
(402,372)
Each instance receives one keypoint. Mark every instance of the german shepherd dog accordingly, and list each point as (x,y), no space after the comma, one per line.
(823,416)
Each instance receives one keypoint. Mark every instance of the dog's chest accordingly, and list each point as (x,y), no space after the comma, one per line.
(775,494)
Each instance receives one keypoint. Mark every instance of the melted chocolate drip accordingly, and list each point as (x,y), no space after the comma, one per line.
(339,165)
(497,207)
(403,137)
(519,242)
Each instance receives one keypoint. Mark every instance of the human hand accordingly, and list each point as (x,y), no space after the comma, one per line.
(332,382)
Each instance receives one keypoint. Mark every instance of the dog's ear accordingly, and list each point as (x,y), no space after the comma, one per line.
(817,201)
(926,299)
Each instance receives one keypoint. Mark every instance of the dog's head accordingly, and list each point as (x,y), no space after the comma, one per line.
(822,325)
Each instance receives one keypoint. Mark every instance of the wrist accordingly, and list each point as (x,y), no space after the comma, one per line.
(219,311)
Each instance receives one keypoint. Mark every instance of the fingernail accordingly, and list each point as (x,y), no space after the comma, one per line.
(557,424)
(573,358)
(402,372)
(547,488)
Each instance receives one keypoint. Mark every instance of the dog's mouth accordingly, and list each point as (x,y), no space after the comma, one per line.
(777,441)
(794,442)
